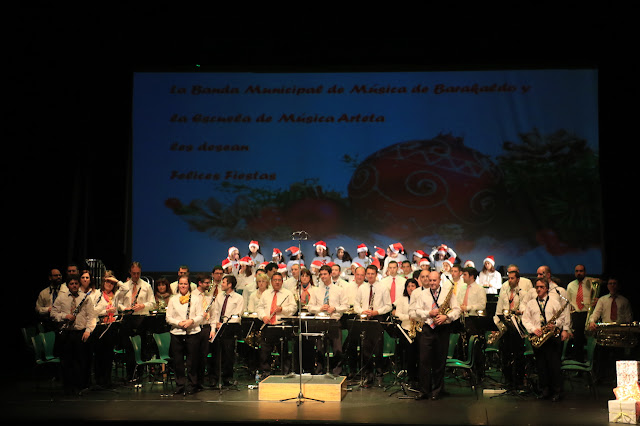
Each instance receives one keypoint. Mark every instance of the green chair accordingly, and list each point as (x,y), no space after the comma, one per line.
(41,360)
(468,364)
(453,342)
(49,341)
(585,368)
(163,342)
(136,343)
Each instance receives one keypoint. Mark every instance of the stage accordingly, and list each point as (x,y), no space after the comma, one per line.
(31,399)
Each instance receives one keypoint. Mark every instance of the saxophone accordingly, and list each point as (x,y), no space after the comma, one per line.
(502,328)
(445,308)
(549,330)
(414,328)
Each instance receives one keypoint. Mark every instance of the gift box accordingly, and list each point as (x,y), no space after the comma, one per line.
(628,392)
(627,372)
(624,411)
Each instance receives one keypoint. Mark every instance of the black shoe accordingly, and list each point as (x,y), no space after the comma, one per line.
(556,398)
(179,392)
(421,396)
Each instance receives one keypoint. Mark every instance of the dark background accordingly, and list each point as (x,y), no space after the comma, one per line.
(70,74)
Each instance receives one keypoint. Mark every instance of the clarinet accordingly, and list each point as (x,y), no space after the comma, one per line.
(75,312)
(135,300)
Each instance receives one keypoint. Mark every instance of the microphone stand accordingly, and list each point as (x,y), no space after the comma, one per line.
(300,235)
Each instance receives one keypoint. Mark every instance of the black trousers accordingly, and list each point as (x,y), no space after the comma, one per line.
(434,346)
(549,363)
(408,354)
(185,352)
(579,341)
(203,360)
(102,348)
(512,358)
(223,352)
(76,357)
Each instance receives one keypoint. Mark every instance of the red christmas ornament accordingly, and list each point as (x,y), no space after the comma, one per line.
(425,184)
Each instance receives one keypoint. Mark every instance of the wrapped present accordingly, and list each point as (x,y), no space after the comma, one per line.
(627,372)
(624,411)
(628,392)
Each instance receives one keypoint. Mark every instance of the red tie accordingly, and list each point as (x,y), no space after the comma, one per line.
(393,290)
(614,309)
(466,296)
(580,297)
(274,305)
(224,307)
(133,295)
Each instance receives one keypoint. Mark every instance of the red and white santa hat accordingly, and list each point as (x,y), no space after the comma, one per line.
(469,264)
(362,248)
(293,250)
(442,249)
(321,244)
(424,261)
(491,260)
(232,249)
(264,264)
(226,263)
(246,261)
(450,261)
(282,267)
(276,252)
(254,244)
(316,264)
(357,265)
(419,254)
(379,253)
(375,262)
(396,248)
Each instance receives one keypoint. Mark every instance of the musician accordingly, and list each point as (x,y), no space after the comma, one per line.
(183,271)
(275,303)
(511,343)
(456,278)
(537,319)
(291,283)
(393,282)
(184,315)
(524,283)
(579,293)
(471,296)
(227,310)
(216,280)
(73,311)
(46,298)
(336,275)
(162,293)
(262,283)
(555,291)
(330,299)
(407,269)
(134,300)
(407,352)
(105,337)
(203,296)
(434,339)
(372,302)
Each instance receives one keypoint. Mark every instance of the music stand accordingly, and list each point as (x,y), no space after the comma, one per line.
(508,334)
(397,332)
(325,328)
(362,327)
(300,235)
(220,332)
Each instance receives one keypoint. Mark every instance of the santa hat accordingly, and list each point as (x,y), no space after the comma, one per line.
(379,253)
(362,248)
(375,262)
(316,264)
(321,244)
(293,250)
(490,259)
(339,248)
(232,249)
(276,252)
(420,254)
(450,260)
(226,263)
(264,264)
(396,247)
(253,244)
(357,264)
(329,263)
(282,267)
(442,249)
(246,261)
(469,264)
(424,261)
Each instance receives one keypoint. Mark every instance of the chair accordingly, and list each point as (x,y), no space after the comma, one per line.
(584,368)
(136,343)
(41,359)
(467,365)
(49,341)
(163,342)
(453,342)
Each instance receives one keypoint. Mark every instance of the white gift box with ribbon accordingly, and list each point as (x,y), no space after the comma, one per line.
(624,411)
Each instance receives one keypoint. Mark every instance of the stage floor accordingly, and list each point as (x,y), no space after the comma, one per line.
(39,400)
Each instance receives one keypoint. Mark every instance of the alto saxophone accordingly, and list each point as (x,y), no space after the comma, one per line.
(415,327)
(549,330)
(502,328)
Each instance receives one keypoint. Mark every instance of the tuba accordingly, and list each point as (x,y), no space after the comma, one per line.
(549,330)
(595,292)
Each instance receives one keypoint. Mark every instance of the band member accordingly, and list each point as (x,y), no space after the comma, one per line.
(202,296)
(434,339)
(537,319)
(393,282)
(105,337)
(274,303)
(330,299)
(216,280)
(46,298)
(73,311)
(183,271)
(134,300)
(407,352)
(579,293)
(471,296)
(184,315)
(511,343)
(373,302)
(225,326)
(612,307)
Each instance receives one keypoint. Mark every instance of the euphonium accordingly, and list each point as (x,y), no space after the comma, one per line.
(595,291)
(549,330)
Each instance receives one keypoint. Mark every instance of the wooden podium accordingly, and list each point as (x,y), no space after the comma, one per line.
(319,387)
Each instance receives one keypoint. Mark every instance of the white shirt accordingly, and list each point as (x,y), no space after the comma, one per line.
(402,311)
(422,303)
(85,318)
(531,318)
(491,281)
(177,312)
(145,296)
(381,298)
(337,299)
(603,310)
(235,305)
(572,292)
(388,281)
(476,299)
(284,298)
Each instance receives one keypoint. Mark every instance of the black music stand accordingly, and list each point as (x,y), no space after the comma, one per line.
(397,332)
(510,332)
(324,327)
(220,332)
(362,327)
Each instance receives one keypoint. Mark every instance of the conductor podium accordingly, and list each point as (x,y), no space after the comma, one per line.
(319,387)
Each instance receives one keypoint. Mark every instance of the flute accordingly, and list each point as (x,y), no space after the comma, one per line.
(274,312)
